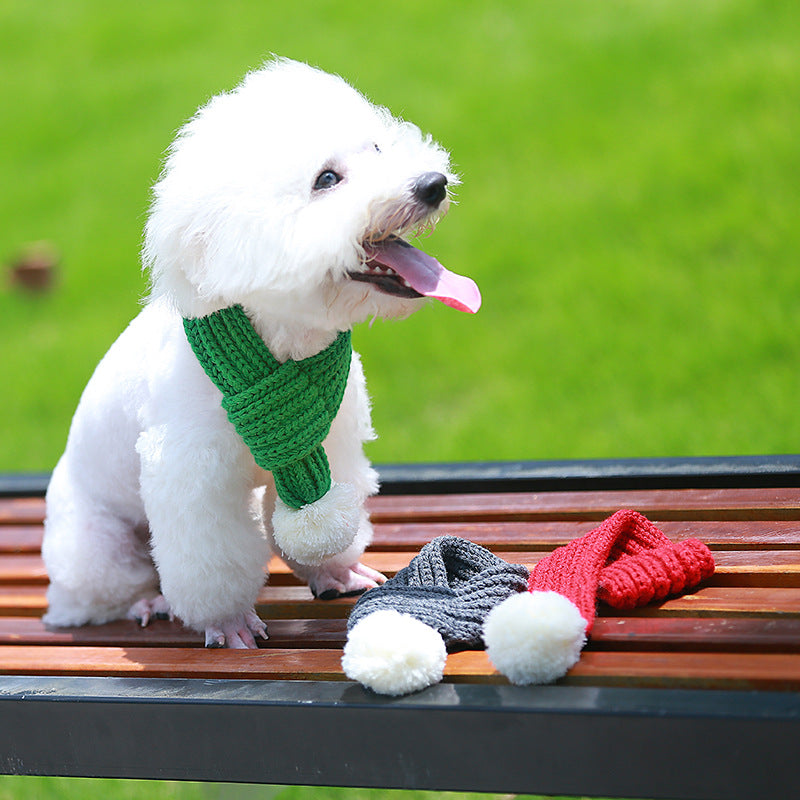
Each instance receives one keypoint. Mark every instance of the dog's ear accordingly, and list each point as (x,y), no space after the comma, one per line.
(210,249)
(173,255)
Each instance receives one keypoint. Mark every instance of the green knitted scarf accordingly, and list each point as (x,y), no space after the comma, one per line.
(283,412)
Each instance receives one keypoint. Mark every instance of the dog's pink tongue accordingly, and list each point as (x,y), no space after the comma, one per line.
(426,275)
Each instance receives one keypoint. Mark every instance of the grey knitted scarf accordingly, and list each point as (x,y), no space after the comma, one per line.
(450,585)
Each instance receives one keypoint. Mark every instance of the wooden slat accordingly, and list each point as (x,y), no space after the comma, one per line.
(779,568)
(733,567)
(773,671)
(29,568)
(702,634)
(296,602)
(162,633)
(736,504)
(525,537)
(538,535)
(163,662)
(22,569)
(766,602)
(732,504)
(21,510)
(26,601)
(709,634)
(21,538)
(697,634)
(717,670)
(275,602)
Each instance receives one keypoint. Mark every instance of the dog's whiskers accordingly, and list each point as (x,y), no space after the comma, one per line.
(404,221)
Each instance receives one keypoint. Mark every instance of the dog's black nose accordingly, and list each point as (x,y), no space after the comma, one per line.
(430,188)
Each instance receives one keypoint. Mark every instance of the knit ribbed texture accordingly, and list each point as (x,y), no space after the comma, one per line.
(450,585)
(635,580)
(626,562)
(283,412)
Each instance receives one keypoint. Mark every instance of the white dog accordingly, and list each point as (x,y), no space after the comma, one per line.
(286,199)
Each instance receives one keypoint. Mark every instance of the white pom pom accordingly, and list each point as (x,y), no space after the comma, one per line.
(393,653)
(317,531)
(534,637)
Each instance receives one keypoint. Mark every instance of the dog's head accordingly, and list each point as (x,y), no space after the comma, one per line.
(292,195)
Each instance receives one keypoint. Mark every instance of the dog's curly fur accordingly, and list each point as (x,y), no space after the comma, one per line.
(272,197)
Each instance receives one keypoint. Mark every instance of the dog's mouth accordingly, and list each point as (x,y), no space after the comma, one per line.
(395,267)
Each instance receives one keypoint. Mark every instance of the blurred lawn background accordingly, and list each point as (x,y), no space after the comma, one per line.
(89,789)
(629,208)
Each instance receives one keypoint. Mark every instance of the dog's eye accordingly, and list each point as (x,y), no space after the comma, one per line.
(377,148)
(326,179)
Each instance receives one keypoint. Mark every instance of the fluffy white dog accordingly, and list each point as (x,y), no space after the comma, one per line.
(285,199)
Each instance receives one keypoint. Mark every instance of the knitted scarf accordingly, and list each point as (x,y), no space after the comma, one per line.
(283,412)
(450,585)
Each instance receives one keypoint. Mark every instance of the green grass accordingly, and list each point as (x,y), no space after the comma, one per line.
(629,208)
(23,788)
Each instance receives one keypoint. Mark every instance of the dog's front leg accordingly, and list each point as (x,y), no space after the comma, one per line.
(196,482)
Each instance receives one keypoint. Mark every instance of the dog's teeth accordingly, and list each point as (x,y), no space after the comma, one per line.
(375,268)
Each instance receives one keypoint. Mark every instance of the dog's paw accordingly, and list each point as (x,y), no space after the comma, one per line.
(142,611)
(238,632)
(329,582)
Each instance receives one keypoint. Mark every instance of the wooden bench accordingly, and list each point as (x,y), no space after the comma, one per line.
(696,697)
